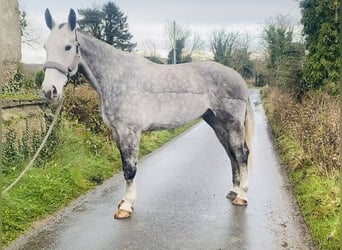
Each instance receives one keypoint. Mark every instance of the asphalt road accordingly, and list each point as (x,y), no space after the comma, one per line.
(181,203)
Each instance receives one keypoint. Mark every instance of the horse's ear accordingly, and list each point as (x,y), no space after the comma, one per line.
(48,19)
(72,20)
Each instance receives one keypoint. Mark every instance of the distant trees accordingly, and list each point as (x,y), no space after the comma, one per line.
(180,44)
(313,64)
(22,21)
(177,35)
(28,34)
(284,57)
(180,37)
(231,49)
(91,21)
(278,35)
(222,45)
(108,24)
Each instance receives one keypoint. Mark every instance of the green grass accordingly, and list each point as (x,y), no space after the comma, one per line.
(319,199)
(318,196)
(20,97)
(81,162)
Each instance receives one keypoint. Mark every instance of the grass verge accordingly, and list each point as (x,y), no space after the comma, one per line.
(82,161)
(315,181)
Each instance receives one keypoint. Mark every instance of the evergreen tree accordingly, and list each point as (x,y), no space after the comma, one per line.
(284,56)
(116,28)
(108,24)
(321,22)
(180,43)
(278,39)
(91,21)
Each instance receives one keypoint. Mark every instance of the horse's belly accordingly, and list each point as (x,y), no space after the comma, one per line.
(172,110)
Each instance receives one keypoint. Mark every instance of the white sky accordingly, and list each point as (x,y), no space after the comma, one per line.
(147,18)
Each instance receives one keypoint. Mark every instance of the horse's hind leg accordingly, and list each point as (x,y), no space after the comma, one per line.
(230,132)
(239,159)
(128,142)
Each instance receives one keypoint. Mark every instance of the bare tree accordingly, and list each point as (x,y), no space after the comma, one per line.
(177,35)
(175,31)
(197,43)
(150,48)
(28,36)
(222,45)
(245,40)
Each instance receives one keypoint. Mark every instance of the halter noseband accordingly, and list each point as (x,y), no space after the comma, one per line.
(68,71)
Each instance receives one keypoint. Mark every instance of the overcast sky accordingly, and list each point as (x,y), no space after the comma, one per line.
(148,18)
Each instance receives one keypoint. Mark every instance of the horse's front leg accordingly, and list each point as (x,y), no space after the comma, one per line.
(128,142)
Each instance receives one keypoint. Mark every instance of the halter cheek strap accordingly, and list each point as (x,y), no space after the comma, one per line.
(68,71)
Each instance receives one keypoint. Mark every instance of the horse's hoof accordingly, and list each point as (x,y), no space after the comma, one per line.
(231,195)
(239,201)
(122,214)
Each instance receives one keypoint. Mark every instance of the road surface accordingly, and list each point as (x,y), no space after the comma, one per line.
(181,203)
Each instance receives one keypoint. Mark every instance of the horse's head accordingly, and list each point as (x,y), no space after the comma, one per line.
(62,51)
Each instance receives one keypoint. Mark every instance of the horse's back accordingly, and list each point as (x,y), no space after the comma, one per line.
(223,81)
(194,77)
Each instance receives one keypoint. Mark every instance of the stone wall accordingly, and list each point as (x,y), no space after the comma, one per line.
(24,118)
(10,38)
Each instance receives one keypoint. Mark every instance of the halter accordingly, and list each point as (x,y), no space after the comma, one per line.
(68,71)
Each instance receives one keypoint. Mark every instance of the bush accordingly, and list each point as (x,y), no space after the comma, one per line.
(39,78)
(314,123)
(82,104)
(14,84)
(19,85)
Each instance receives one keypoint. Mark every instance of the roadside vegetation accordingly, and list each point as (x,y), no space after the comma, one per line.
(301,95)
(308,140)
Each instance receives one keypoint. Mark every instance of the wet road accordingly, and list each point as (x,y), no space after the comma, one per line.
(181,203)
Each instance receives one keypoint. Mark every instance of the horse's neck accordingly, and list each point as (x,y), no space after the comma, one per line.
(86,71)
(97,61)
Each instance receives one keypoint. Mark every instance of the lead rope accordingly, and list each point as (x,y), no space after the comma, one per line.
(38,151)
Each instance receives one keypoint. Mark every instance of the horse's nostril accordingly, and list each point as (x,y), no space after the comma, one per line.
(48,94)
(54,91)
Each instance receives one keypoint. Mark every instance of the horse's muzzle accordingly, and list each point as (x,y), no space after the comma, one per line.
(51,94)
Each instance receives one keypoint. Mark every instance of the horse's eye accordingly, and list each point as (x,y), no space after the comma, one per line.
(68,47)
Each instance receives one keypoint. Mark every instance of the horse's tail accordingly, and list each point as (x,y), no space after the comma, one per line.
(249,131)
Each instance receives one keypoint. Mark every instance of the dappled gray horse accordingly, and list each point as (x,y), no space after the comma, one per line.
(138,95)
